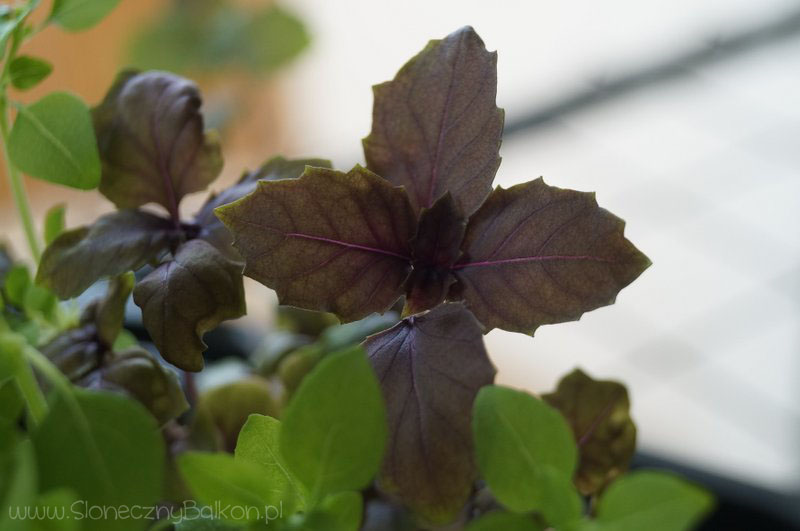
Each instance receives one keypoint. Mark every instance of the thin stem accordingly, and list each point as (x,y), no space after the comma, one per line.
(34,398)
(50,371)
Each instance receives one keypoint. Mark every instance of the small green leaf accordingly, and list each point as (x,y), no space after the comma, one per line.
(79,15)
(53,140)
(18,280)
(526,453)
(114,244)
(54,222)
(186,297)
(109,314)
(334,429)
(599,414)
(501,520)
(221,412)
(259,443)
(656,501)
(27,72)
(219,478)
(105,447)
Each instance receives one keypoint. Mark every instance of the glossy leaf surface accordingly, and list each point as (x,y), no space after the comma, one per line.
(430,368)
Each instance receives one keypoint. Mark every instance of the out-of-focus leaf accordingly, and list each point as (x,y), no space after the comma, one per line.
(430,368)
(435,249)
(338,512)
(152,141)
(526,454)
(105,447)
(76,352)
(22,488)
(274,37)
(186,297)
(79,15)
(334,429)
(11,401)
(328,241)
(599,414)
(54,222)
(501,520)
(136,373)
(212,229)
(222,411)
(20,291)
(26,72)
(259,443)
(651,500)
(10,17)
(347,335)
(304,322)
(436,128)
(295,366)
(114,244)
(218,478)
(6,263)
(110,310)
(535,254)
(52,139)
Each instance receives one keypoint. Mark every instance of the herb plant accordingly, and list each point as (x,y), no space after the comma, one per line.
(406,430)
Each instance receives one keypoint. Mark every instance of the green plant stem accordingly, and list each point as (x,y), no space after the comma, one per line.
(34,398)
(50,371)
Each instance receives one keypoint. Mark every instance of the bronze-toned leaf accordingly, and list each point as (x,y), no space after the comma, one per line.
(328,241)
(599,414)
(152,141)
(430,367)
(536,254)
(212,229)
(436,127)
(186,297)
(136,373)
(114,244)
(435,249)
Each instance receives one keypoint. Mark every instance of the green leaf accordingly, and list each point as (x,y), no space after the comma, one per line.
(26,72)
(53,140)
(22,488)
(105,447)
(54,222)
(651,500)
(501,520)
(436,128)
(136,373)
(11,401)
(259,443)
(435,249)
(599,414)
(221,412)
(219,478)
(430,368)
(535,254)
(79,15)
(110,310)
(328,241)
(114,244)
(152,141)
(186,297)
(338,512)
(526,454)
(212,229)
(10,18)
(334,429)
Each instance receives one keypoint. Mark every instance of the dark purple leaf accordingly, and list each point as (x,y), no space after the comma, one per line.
(152,141)
(116,243)
(431,367)
(328,241)
(435,249)
(211,228)
(535,254)
(187,296)
(435,127)
(599,414)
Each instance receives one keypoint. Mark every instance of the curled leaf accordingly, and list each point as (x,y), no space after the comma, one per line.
(152,141)
(212,229)
(328,241)
(599,414)
(430,367)
(187,296)
(436,127)
(114,244)
(535,254)
(435,249)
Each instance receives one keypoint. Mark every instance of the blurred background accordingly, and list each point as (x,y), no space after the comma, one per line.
(683,115)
